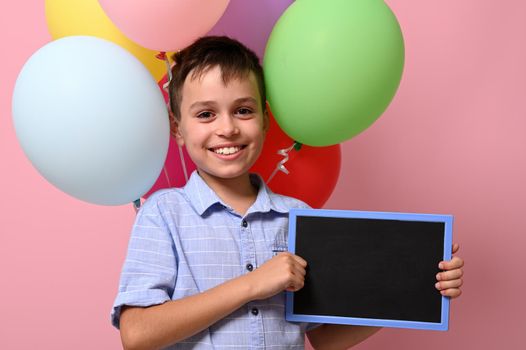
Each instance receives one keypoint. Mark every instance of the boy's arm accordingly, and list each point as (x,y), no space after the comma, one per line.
(158,326)
(333,336)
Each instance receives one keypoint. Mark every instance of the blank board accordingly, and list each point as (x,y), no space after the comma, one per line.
(370,268)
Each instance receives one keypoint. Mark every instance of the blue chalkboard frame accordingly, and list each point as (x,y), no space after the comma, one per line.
(443,325)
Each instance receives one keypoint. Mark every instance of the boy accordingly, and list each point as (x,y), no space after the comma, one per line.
(200,271)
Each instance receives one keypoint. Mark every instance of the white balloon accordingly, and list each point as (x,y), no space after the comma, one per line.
(91,119)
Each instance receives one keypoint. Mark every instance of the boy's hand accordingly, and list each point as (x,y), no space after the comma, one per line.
(450,280)
(284,271)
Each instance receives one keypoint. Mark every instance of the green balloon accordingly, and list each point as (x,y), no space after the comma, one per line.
(332,68)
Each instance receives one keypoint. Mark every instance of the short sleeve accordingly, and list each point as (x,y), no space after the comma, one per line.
(150,269)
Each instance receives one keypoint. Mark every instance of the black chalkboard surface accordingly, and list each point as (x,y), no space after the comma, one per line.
(370,268)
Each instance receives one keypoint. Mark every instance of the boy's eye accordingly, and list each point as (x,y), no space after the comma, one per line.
(244,111)
(205,115)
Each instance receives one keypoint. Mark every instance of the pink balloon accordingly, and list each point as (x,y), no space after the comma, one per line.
(164,25)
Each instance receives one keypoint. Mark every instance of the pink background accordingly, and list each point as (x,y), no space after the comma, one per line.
(453,141)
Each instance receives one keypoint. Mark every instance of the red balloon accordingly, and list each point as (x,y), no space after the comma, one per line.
(313,171)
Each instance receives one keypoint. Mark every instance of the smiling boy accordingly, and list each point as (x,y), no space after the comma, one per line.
(200,271)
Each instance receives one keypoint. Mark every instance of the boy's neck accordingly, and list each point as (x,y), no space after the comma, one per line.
(238,192)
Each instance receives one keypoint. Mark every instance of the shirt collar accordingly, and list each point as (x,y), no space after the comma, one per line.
(202,197)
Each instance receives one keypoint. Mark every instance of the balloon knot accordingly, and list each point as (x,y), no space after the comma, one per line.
(137,205)
(161,55)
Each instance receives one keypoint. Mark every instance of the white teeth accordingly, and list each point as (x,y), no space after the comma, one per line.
(227,150)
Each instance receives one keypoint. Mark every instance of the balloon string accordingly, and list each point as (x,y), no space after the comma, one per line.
(281,165)
(137,205)
(183,163)
(166,176)
(162,56)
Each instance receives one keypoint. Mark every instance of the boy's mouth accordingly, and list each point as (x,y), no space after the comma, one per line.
(227,150)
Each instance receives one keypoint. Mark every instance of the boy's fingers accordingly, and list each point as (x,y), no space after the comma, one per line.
(293,263)
(299,271)
(444,285)
(293,289)
(300,260)
(454,263)
(449,275)
(452,292)
(297,280)
(450,280)
(295,284)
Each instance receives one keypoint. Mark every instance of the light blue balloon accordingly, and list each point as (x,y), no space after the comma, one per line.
(91,119)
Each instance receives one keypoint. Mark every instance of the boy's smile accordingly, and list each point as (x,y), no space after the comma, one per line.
(222,125)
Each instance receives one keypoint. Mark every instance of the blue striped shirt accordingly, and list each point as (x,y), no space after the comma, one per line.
(186,240)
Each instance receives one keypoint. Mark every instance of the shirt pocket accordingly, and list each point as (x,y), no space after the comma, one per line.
(280,242)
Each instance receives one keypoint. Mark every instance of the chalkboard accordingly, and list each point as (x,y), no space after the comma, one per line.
(370,268)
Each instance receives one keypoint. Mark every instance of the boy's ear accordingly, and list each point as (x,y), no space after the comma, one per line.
(174,129)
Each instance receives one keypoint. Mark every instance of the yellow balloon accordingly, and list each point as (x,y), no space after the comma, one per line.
(86,17)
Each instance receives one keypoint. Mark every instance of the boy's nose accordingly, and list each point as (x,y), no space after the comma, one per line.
(227,126)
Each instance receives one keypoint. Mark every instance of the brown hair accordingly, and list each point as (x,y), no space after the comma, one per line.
(235,60)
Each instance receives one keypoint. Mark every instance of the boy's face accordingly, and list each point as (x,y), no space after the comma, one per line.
(222,126)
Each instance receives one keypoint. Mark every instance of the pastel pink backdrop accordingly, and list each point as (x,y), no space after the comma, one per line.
(451,142)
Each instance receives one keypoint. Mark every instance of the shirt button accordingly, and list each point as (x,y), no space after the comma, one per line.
(250,267)
(244,223)
(254,311)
